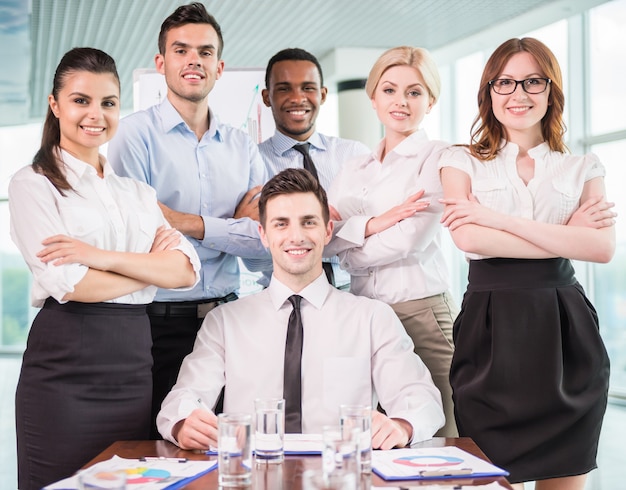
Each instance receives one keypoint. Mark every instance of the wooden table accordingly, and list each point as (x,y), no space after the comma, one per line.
(288,475)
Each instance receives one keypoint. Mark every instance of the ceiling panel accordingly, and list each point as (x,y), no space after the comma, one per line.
(253,31)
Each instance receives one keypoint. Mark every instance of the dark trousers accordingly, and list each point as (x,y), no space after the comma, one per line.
(174,327)
(172,340)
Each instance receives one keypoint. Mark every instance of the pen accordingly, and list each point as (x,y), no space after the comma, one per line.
(448,487)
(446,472)
(163,458)
(202,405)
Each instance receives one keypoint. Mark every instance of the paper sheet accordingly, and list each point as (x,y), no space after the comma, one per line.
(431,463)
(154,474)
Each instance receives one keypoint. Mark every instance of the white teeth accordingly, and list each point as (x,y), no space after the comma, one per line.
(93,130)
(518,109)
(399,114)
(298,113)
(195,77)
(296,252)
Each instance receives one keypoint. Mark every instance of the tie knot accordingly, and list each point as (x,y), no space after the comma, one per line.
(302,148)
(295,301)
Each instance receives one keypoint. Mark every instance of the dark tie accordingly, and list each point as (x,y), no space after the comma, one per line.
(310,166)
(292,387)
(308,163)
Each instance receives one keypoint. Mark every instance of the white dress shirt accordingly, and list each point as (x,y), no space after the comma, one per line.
(111,213)
(551,196)
(355,352)
(405,261)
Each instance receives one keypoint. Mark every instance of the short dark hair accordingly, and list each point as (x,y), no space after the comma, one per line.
(292,54)
(292,181)
(193,13)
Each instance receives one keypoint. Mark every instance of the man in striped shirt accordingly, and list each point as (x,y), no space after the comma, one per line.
(295,91)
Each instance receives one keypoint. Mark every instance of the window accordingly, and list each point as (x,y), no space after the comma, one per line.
(609,281)
(607,67)
(17,146)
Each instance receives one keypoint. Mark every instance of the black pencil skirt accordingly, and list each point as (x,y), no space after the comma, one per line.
(85,383)
(530,371)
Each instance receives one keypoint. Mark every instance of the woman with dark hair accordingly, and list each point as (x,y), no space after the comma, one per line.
(98,246)
(530,371)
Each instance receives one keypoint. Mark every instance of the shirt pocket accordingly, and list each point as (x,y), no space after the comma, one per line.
(347,380)
(490,192)
(84,223)
(147,224)
(568,195)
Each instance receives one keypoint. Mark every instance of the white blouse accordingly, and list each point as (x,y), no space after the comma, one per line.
(404,262)
(551,196)
(110,213)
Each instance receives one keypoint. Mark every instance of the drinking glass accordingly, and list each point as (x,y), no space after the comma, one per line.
(234,451)
(360,417)
(269,434)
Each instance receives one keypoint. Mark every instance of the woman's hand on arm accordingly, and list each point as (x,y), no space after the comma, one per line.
(162,266)
(595,212)
(408,208)
(461,212)
(165,239)
(480,239)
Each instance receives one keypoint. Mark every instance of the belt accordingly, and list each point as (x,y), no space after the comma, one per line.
(196,309)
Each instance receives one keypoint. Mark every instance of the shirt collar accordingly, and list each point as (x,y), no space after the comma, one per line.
(282,143)
(409,146)
(76,169)
(512,149)
(315,293)
(171,118)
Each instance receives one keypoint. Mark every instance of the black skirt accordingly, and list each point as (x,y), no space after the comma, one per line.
(530,372)
(85,383)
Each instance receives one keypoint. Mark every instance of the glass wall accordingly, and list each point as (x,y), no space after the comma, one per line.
(17,146)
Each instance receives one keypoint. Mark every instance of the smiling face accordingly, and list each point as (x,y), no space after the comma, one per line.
(521,113)
(296,234)
(87,107)
(190,64)
(295,95)
(401,100)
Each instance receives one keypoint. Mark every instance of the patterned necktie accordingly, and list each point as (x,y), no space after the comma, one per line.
(310,166)
(308,163)
(292,387)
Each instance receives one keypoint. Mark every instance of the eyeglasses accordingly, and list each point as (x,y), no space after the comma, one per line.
(506,86)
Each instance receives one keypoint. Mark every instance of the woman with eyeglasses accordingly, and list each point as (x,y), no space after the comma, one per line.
(530,372)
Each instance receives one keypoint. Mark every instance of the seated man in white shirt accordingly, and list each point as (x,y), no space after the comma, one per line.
(354,350)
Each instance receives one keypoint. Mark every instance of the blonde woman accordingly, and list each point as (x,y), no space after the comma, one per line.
(388,232)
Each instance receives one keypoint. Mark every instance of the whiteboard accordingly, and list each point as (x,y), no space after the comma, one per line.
(235,98)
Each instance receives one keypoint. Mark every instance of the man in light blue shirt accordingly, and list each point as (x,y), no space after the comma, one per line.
(205,175)
(295,91)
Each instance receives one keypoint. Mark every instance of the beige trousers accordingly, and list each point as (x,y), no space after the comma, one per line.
(428,322)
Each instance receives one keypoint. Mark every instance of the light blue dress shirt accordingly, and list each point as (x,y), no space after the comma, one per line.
(206,178)
(328,154)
